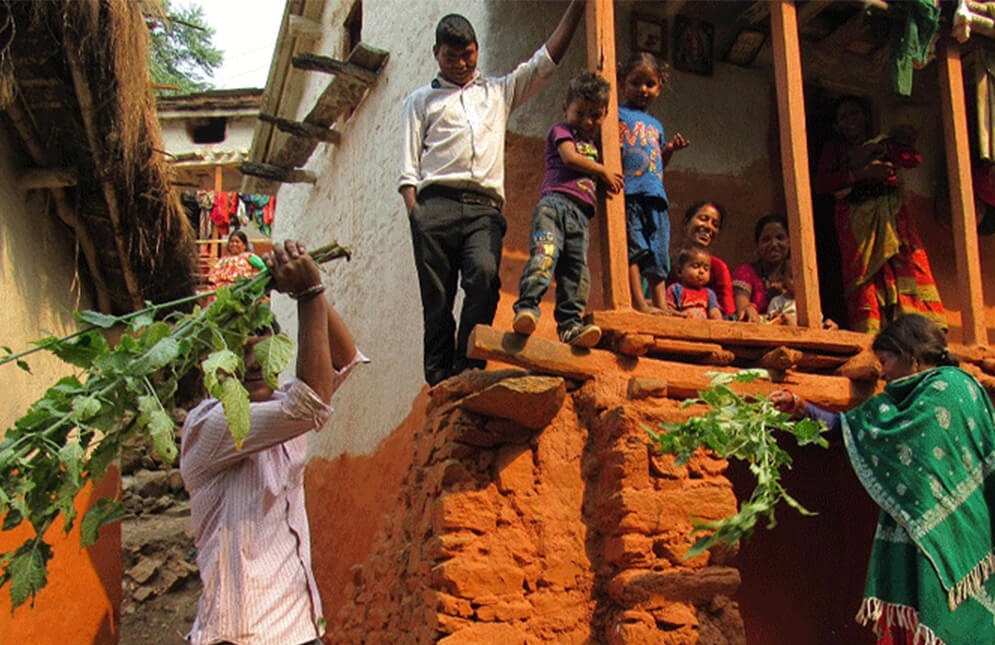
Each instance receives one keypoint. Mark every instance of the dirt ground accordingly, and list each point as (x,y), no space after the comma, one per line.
(161,585)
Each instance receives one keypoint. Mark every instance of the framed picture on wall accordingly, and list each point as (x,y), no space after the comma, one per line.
(649,34)
(693,43)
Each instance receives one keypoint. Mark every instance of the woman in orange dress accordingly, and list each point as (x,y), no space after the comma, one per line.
(885,269)
(234,265)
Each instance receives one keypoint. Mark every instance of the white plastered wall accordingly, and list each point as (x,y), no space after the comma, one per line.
(37,286)
(354,201)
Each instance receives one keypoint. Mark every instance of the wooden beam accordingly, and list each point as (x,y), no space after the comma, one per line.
(683,380)
(732,333)
(88,114)
(810,10)
(673,7)
(865,366)
(965,222)
(794,161)
(601,58)
(22,123)
(34,178)
(301,26)
(317,63)
(302,129)
(780,359)
(278,173)
(759,11)
(850,31)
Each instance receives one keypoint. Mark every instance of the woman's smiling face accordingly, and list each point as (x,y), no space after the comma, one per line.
(773,244)
(703,226)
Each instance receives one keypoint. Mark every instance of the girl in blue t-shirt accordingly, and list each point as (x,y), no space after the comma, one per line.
(645,153)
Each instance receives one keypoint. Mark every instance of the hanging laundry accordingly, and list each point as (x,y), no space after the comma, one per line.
(912,41)
(205,200)
(261,210)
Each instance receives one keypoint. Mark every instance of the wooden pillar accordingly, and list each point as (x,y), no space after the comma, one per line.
(601,58)
(794,160)
(219,175)
(965,222)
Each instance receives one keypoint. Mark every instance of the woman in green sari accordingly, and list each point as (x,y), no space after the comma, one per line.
(924,449)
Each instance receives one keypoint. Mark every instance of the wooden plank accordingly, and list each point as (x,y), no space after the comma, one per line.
(34,178)
(794,161)
(317,63)
(302,129)
(683,380)
(780,358)
(850,31)
(732,333)
(965,222)
(808,361)
(864,366)
(278,173)
(601,57)
(303,27)
(759,11)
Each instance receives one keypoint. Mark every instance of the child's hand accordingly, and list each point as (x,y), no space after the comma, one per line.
(678,143)
(614,182)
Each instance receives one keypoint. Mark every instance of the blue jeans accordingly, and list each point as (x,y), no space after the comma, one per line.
(557,249)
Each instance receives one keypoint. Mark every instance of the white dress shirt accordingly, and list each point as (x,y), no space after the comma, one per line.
(250,524)
(454,136)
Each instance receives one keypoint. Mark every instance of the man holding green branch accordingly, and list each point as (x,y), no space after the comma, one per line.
(247,504)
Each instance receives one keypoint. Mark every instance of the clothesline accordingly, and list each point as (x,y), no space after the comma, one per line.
(217,213)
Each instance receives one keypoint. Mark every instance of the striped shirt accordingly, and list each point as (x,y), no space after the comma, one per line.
(249,520)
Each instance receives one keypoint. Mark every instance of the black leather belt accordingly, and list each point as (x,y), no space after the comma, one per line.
(460,195)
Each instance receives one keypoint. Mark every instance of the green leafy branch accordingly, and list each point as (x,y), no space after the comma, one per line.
(73,433)
(740,427)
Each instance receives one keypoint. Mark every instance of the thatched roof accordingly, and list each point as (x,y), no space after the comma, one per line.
(75,88)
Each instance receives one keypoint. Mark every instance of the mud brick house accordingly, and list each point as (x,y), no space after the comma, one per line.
(522,505)
(89,221)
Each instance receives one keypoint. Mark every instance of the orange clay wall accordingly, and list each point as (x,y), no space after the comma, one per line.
(800,582)
(81,603)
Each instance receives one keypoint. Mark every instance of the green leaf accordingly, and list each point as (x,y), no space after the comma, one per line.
(273,354)
(103,512)
(235,400)
(97,319)
(71,458)
(80,351)
(86,408)
(157,357)
(740,427)
(142,320)
(23,365)
(216,366)
(160,426)
(27,571)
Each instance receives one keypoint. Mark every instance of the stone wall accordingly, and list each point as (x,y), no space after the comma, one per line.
(535,511)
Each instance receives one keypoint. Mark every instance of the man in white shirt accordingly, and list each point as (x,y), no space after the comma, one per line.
(247,505)
(452,181)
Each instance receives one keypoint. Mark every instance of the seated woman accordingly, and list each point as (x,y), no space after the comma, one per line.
(885,269)
(236,264)
(755,283)
(702,223)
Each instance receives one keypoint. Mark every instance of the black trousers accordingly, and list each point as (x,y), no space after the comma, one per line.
(457,240)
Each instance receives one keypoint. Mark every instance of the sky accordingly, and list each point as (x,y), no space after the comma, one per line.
(246,31)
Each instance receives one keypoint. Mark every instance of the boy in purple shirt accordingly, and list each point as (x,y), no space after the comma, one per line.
(560,222)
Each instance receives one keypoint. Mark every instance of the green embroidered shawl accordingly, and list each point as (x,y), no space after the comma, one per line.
(925,449)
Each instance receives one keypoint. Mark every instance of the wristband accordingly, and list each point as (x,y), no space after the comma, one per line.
(308,293)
